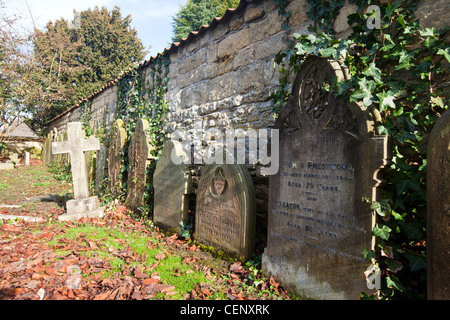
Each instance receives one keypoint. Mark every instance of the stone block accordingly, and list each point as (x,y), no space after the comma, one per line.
(234,42)
(6,166)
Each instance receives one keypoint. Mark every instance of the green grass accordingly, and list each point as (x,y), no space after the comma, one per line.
(171,270)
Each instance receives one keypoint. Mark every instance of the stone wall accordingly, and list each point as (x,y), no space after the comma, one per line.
(224,74)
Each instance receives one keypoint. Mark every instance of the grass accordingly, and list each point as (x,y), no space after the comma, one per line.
(170,269)
(175,268)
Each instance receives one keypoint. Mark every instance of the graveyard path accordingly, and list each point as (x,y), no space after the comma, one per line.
(114,258)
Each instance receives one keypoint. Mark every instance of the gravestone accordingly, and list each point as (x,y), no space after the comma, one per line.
(172,184)
(6,166)
(100,167)
(139,157)
(118,140)
(330,159)
(27,158)
(14,158)
(47,156)
(82,205)
(226,209)
(438,210)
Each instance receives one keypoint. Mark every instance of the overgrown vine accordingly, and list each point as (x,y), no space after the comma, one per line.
(138,99)
(400,70)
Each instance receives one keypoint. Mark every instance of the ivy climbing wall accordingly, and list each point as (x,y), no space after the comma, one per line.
(222,76)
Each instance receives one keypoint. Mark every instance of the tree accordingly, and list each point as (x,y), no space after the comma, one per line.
(73,60)
(12,59)
(197,13)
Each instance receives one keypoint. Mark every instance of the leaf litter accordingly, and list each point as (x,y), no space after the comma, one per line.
(42,261)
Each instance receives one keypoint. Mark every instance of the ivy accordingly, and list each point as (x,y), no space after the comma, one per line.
(141,99)
(398,70)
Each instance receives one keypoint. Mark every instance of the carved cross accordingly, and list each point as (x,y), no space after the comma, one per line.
(76,146)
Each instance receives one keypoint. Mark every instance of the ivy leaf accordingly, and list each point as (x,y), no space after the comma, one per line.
(365,92)
(373,71)
(393,284)
(405,60)
(393,265)
(445,52)
(328,52)
(416,262)
(368,255)
(383,232)
(411,230)
(386,101)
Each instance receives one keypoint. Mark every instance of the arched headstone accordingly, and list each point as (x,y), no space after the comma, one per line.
(330,158)
(117,143)
(139,157)
(226,209)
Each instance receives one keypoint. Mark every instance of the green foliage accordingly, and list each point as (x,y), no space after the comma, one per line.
(398,71)
(197,13)
(61,170)
(138,99)
(74,62)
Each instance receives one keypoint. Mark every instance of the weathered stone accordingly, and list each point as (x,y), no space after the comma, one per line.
(14,158)
(76,146)
(438,210)
(172,184)
(340,23)
(234,42)
(117,143)
(253,14)
(249,77)
(6,166)
(225,213)
(318,224)
(139,157)
(27,158)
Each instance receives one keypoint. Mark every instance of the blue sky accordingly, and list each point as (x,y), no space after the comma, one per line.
(151,18)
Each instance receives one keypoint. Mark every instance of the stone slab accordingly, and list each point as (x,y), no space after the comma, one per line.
(6,166)
(83,205)
(172,184)
(98,213)
(438,210)
(25,218)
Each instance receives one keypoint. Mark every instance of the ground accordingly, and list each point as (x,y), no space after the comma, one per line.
(117,257)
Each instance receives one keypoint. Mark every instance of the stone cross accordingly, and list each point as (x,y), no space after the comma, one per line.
(76,145)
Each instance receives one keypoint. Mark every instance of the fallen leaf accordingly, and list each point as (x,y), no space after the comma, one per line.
(274,284)
(140,275)
(102,296)
(160,256)
(237,268)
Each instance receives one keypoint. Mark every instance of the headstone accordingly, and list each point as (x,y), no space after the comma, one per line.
(172,185)
(438,210)
(27,158)
(14,158)
(330,159)
(6,166)
(76,146)
(100,167)
(226,209)
(47,156)
(118,140)
(139,157)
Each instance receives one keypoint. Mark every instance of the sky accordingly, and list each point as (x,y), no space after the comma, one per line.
(152,19)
